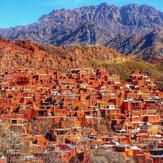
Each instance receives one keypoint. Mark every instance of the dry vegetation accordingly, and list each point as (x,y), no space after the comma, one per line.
(12,145)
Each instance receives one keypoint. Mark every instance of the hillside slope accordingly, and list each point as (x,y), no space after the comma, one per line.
(19,55)
(25,54)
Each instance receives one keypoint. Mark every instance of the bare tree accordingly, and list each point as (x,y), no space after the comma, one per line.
(40,126)
(52,158)
(106,155)
(12,144)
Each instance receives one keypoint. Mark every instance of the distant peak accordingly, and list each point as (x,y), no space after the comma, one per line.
(132,5)
(103,4)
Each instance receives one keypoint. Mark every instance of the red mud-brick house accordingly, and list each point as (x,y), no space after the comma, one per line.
(76,105)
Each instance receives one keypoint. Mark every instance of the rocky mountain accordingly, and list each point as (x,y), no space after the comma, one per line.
(131,29)
(151,44)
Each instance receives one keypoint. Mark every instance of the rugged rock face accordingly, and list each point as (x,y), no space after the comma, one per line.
(151,44)
(129,29)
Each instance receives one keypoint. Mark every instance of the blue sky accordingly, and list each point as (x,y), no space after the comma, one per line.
(22,12)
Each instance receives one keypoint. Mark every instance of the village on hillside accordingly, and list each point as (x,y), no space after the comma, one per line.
(68,116)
